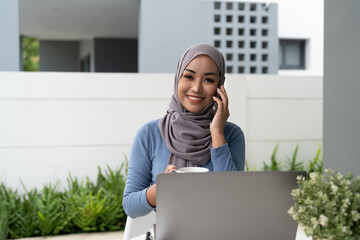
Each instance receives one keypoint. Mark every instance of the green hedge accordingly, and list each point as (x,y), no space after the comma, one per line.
(83,207)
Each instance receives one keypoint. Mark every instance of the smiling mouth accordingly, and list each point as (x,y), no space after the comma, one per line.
(194,99)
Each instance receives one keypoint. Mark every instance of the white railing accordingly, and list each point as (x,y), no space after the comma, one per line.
(55,123)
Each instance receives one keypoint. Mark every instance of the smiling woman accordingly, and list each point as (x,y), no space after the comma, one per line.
(198,84)
(194,131)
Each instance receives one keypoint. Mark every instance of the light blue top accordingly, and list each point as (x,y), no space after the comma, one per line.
(149,157)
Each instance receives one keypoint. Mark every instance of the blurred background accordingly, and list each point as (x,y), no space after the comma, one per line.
(79,77)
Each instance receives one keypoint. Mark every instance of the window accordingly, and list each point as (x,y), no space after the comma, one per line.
(252,32)
(264,20)
(252,57)
(217,31)
(241,6)
(240,19)
(241,44)
(264,32)
(229,5)
(253,19)
(264,70)
(229,31)
(217,18)
(240,31)
(264,57)
(253,7)
(229,44)
(217,43)
(241,57)
(217,5)
(229,57)
(240,69)
(252,69)
(253,44)
(229,69)
(292,54)
(228,18)
(264,45)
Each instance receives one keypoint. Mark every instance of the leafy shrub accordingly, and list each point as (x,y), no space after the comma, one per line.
(328,205)
(292,163)
(83,207)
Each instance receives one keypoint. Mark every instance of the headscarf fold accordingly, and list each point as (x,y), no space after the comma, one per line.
(187,135)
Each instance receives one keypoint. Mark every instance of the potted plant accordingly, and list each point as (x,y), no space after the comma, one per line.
(328,205)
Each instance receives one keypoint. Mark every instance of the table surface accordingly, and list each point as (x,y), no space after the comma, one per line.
(300,235)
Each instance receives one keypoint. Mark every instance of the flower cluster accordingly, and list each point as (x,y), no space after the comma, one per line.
(328,205)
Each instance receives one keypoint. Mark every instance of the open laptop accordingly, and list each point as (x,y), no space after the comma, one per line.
(225,205)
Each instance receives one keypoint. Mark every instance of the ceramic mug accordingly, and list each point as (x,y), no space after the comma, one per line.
(190,170)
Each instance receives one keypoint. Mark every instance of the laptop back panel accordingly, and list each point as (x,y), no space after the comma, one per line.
(225,205)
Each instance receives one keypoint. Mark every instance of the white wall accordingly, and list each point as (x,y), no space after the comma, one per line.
(285,110)
(304,19)
(55,123)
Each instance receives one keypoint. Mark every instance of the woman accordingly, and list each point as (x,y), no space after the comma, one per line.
(193,132)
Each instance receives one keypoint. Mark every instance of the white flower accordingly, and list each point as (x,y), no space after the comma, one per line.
(346,202)
(334,188)
(300,178)
(314,222)
(308,201)
(355,215)
(323,220)
(314,175)
(301,209)
(291,211)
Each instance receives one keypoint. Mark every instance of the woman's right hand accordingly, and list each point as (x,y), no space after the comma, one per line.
(151,192)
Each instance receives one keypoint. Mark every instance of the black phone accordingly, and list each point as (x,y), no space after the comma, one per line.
(215,107)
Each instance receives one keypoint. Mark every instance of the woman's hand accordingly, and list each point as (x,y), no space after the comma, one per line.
(222,114)
(151,192)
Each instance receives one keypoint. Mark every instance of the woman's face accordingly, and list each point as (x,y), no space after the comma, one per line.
(198,83)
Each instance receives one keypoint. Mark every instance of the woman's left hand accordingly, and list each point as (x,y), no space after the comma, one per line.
(222,114)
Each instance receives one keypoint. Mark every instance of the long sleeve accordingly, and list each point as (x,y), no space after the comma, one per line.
(230,156)
(139,176)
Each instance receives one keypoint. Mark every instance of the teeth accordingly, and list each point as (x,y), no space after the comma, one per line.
(194,98)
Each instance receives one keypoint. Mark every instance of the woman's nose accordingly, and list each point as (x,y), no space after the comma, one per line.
(196,86)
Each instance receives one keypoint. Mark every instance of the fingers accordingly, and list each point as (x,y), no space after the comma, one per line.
(170,167)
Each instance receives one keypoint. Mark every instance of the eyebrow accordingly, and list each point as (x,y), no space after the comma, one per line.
(206,74)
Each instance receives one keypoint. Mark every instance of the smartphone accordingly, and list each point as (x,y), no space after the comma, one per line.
(215,107)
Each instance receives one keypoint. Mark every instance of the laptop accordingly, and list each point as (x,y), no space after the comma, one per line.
(225,205)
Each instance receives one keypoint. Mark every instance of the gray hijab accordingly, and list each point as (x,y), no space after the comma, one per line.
(187,135)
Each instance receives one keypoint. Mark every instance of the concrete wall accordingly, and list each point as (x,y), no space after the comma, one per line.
(341,86)
(56,123)
(59,56)
(171,33)
(304,20)
(9,36)
(116,55)
(166,30)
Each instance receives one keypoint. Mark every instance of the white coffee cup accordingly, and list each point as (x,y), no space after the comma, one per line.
(190,170)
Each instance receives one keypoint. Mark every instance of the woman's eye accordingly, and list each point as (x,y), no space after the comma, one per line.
(188,77)
(209,80)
